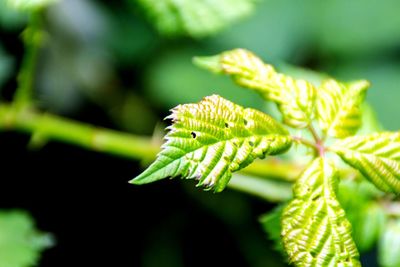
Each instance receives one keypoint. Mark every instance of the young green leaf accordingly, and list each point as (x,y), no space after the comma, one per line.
(295,98)
(315,231)
(210,140)
(376,156)
(338,107)
(196,18)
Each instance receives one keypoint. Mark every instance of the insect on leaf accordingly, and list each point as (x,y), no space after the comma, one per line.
(295,98)
(210,140)
(376,156)
(315,231)
(339,107)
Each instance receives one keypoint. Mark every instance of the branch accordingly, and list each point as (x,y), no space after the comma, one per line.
(46,126)
(270,190)
(33,39)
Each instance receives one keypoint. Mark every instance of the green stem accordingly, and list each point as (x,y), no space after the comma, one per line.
(274,168)
(270,190)
(32,37)
(314,133)
(305,142)
(47,126)
(319,143)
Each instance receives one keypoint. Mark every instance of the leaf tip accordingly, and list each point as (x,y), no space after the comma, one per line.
(136,181)
(149,175)
(211,63)
(360,85)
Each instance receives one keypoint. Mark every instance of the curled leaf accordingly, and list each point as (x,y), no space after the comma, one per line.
(295,98)
(315,231)
(376,156)
(210,140)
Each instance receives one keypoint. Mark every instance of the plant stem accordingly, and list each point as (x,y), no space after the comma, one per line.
(270,190)
(319,143)
(314,133)
(46,126)
(274,168)
(32,37)
(305,142)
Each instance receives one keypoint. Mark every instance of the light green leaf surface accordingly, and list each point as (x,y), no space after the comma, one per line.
(376,156)
(389,245)
(20,243)
(315,231)
(295,98)
(338,107)
(210,140)
(196,18)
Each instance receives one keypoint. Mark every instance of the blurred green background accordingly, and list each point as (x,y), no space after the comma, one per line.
(105,62)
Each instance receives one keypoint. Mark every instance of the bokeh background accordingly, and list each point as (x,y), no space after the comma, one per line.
(105,63)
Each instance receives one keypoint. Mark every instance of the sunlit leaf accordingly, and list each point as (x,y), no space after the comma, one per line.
(389,245)
(376,156)
(20,243)
(295,98)
(196,18)
(338,107)
(315,230)
(210,140)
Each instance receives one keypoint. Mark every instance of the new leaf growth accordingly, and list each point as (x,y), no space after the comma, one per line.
(210,140)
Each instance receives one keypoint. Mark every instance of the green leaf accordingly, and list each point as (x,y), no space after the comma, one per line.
(315,231)
(295,98)
(338,107)
(366,216)
(389,245)
(196,18)
(271,223)
(210,140)
(376,156)
(20,243)
(30,5)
